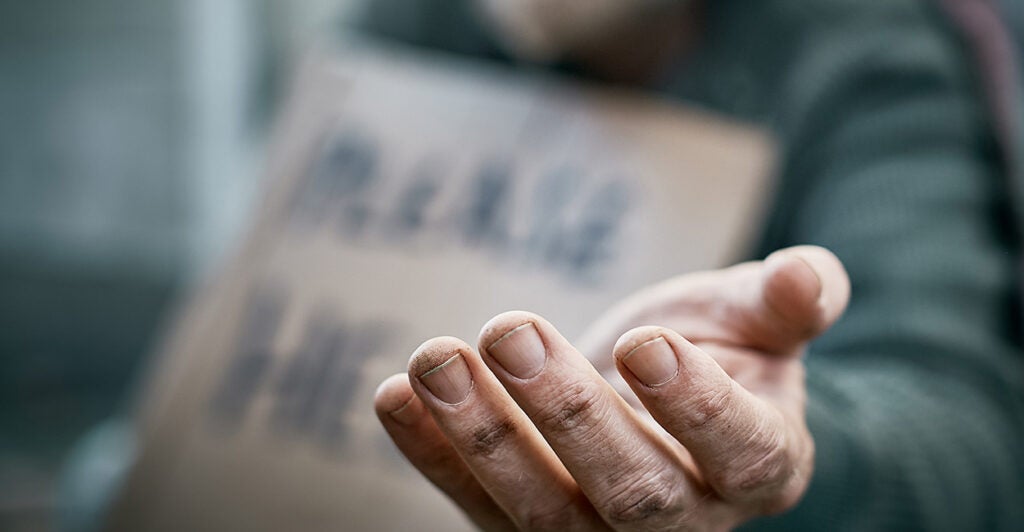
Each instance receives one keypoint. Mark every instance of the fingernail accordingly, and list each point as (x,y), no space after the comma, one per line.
(520,351)
(653,362)
(449,381)
(405,414)
(803,276)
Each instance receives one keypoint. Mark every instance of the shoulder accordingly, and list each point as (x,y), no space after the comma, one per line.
(448,25)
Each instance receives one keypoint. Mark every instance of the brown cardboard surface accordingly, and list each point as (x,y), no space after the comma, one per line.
(410,196)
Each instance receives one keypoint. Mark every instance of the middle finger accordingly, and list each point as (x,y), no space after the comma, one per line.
(631,474)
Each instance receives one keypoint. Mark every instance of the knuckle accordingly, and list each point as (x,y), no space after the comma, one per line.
(577,409)
(648,501)
(707,407)
(488,436)
(762,473)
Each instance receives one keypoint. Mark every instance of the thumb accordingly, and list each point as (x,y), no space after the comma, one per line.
(775,306)
(804,290)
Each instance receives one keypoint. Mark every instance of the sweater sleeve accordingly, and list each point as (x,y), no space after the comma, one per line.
(915,395)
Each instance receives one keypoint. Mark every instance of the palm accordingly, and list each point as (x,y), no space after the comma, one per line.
(716,359)
(759,348)
(726,314)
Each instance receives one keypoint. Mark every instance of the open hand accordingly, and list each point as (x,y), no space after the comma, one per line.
(526,433)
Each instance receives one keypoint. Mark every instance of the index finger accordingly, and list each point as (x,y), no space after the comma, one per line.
(753,454)
(630,473)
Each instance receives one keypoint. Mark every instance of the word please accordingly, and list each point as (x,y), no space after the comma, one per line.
(566,218)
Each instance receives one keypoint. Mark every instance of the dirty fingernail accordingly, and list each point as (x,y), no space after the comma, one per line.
(653,362)
(406,414)
(449,381)
(520,351)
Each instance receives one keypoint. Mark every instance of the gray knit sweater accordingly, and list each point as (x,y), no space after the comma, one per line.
(890,159)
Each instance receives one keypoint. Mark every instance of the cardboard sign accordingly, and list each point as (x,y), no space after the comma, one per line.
(415,195)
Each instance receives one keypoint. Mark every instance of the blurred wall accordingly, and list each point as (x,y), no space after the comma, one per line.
(130,136)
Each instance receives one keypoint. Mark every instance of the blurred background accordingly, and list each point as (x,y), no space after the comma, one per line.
(131,139)
(130,150)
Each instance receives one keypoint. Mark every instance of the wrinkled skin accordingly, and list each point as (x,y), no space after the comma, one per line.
(706,437)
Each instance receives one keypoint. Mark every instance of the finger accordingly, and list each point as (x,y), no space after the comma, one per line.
(776,305)
(417,436)
(805,289)
(631,475)
(495,439)
(750,452)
